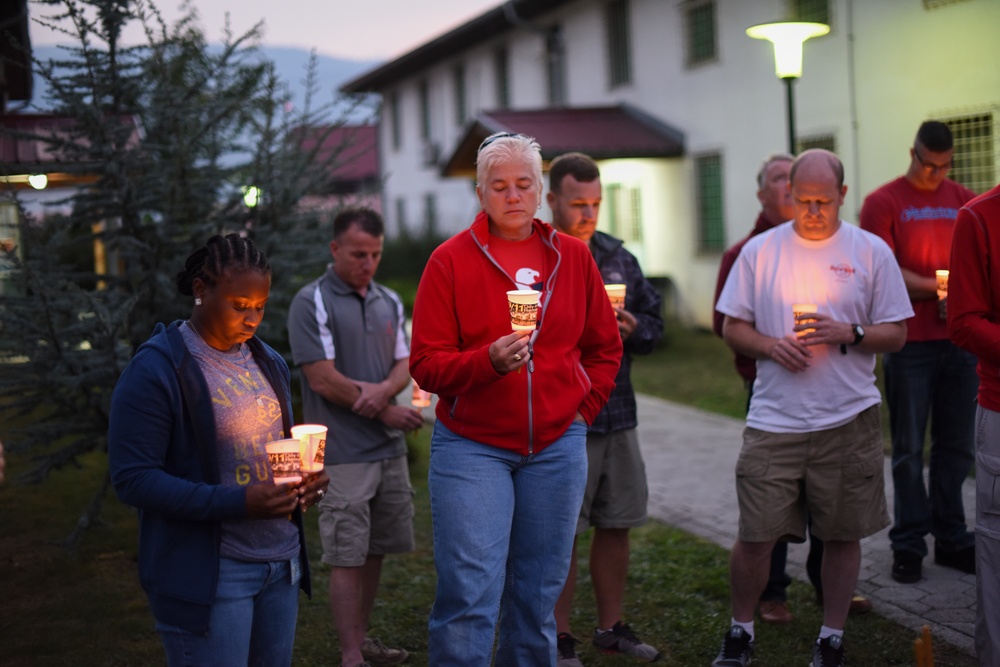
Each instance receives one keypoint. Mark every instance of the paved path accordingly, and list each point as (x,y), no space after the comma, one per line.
(690,460)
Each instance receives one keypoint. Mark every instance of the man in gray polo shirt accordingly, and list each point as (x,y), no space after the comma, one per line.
(346,333)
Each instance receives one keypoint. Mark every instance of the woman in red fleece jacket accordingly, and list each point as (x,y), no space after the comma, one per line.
(508,454)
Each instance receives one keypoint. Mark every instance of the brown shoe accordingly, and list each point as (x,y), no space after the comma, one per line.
(860,605)
(774,612)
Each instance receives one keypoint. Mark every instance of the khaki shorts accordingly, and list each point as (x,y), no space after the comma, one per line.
(834,476)
(367,510)
(616,493)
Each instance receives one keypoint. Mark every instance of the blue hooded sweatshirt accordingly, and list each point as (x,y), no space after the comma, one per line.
(162,453)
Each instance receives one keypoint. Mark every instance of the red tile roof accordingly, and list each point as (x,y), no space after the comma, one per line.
(353,148)
(619,131)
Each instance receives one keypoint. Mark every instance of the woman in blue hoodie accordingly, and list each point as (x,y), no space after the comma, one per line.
(221,546)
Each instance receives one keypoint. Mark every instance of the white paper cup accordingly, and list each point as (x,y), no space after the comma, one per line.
(284,458)
(798,311)
(421,398)
(523,305)
(616,293)
(942,282)
(312,445)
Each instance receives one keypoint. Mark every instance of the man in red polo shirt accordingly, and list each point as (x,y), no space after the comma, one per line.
(915,214)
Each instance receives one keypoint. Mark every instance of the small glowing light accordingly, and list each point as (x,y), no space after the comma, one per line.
(787,38)
(251,196)
(38,181)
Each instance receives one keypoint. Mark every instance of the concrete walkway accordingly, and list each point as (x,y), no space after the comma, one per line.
(690,460)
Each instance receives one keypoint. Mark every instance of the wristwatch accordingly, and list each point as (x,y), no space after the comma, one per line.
(859,333)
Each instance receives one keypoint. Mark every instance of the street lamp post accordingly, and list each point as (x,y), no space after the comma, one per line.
(787,37)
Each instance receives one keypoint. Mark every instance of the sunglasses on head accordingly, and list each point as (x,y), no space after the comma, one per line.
(499,135)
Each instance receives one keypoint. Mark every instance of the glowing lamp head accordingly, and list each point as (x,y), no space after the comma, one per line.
(38,181)
(251,196)
(787,38)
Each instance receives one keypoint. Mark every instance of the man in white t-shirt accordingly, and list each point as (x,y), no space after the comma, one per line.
(813,441)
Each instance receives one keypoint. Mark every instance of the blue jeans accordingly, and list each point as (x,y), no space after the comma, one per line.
(252,620)
(503,533)
(934,379)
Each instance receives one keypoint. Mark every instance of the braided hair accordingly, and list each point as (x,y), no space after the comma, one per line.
(219,254)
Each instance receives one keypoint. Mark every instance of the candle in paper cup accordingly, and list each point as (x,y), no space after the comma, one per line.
(942,292)
(421,398)
(312,445)
(284,457)
(523,305)
(616,292)
(942,282)
(799,312)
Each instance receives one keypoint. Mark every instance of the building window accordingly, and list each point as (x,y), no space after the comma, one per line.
(458,81)
(430,214)
(711,225)
(976,149)
(824,141)
(699,23)
(619,43)
(555,62)
(622,207)
(425,110)
(816,11)
(501,75)
(394,120)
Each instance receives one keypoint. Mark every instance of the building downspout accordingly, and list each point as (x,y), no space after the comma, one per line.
(852,96)
(555,51)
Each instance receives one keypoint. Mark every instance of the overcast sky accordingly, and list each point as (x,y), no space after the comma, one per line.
(357,29)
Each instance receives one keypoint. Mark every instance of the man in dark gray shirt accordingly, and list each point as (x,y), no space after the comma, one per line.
(346,333)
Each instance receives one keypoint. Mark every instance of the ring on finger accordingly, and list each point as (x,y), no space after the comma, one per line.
(517,356)
(320,494)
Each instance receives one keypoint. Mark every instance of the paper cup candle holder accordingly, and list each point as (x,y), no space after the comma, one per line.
(799,313)
(616,293)
(285,460)
(523,305)
(312,445)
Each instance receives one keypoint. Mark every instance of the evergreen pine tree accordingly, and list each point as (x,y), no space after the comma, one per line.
(169,133)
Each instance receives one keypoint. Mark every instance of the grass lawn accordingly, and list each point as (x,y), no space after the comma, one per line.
(86,608)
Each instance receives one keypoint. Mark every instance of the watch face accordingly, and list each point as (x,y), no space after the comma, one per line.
(859,330)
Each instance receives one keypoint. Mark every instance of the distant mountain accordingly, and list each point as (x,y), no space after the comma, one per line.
(290,64)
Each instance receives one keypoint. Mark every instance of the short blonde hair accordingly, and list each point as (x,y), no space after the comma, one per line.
(504,147)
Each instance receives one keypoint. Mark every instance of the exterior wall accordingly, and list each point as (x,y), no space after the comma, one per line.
(886,66)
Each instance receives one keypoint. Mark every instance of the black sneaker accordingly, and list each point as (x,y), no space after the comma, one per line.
(737,649)
(907,566)
(566,650)
(963,560)
(621,639)
(829,652)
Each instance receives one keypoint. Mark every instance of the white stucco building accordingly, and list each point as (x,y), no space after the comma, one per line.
(686,72)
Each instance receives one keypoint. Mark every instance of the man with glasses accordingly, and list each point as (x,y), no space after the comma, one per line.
(915,214)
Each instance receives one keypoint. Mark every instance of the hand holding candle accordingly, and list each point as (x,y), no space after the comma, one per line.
(801,314)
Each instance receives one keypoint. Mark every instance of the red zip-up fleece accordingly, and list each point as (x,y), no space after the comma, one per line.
(461,309)
(974,290)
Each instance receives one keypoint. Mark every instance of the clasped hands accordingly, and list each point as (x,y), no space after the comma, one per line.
(274,501)
(793,352)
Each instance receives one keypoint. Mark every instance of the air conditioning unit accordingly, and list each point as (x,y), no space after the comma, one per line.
(432,153)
